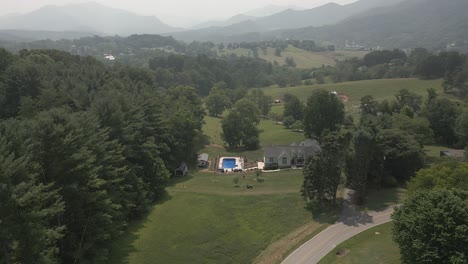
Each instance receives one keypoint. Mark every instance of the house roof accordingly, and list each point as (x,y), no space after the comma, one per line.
(308,147)
(203,157)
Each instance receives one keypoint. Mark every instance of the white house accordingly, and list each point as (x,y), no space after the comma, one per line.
(293,155)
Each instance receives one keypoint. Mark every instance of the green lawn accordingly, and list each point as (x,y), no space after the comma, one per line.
(270,133)
(205,219)
(380,89)
(288,181)
(303,59)
(367,247)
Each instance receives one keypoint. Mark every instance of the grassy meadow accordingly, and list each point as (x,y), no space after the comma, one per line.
(205,219)
(380,89)
(371,246)
(303,59)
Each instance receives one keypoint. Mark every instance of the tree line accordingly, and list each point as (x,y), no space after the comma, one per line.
(84,149)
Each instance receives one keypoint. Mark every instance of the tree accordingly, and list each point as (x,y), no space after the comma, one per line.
(461,129)
(417,126)
(217,101)
(442,114)
(262,101)
(290,62)
(447,175)
(432,227)
(29,232)
(322,172)
(358,163)
(288,121)
(432,67)
(324,111)
(369,106)
(278,51)
(240,126)
(405,97)
(294,107)
(403,155)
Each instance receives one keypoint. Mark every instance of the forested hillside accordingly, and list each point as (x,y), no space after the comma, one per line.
(410,24)
(84,149)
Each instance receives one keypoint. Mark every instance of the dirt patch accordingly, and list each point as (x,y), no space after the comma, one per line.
(280,249)
(344,98)
(342,252)
(216,146)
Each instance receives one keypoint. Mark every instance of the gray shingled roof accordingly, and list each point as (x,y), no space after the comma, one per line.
(203,157)
(308,147)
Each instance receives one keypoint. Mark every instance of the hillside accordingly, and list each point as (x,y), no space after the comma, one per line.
(413,23)
(304,59)
(327,14)
(87,17)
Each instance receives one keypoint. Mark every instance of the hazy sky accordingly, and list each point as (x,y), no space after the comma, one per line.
(171,11)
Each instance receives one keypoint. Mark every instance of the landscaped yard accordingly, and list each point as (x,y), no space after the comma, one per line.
(371,246)
(205,219)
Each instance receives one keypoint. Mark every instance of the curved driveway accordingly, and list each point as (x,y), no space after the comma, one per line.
(350,224)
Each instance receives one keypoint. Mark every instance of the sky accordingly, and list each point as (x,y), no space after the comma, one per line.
(175,12)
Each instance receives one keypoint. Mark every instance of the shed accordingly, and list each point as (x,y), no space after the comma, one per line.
(203,160)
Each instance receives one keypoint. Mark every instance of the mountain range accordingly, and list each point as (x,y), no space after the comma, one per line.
(327,14)
(86,17)
(412,23)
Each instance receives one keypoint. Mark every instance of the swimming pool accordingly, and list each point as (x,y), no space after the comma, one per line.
(229,163)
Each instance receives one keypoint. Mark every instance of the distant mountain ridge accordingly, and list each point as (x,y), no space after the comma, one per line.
(327,14)
(412,23)
(86,17)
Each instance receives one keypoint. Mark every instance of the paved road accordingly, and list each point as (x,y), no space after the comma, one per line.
(350,224)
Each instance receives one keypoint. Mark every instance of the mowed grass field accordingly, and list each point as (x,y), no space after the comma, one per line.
(205,219)
(303,59)
(371,246)
(379,89)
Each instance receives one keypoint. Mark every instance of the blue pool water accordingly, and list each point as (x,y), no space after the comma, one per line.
(229,163)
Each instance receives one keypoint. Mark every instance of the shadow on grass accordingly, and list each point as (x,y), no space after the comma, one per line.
(379,200)
(176,180)
(123,246)
(325,213)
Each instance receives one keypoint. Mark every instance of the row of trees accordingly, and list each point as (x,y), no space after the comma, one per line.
(396,64)
(84,149)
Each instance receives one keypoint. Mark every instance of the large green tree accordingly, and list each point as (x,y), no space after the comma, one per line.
(294,107)
(442,114)
(358,163)
(240,126)
(217,101)
(432,227)
(447,175)
(324,111)
(322,172)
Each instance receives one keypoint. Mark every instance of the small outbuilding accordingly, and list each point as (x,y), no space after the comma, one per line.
(203,160)
(182,170)
(456,154)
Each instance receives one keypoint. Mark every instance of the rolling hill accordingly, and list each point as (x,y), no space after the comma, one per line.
(85,17)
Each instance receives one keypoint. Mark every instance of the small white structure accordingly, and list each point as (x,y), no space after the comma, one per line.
(109,57)
(203,160)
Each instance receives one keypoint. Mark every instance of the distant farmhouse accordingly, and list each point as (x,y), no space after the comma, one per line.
(294,155)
